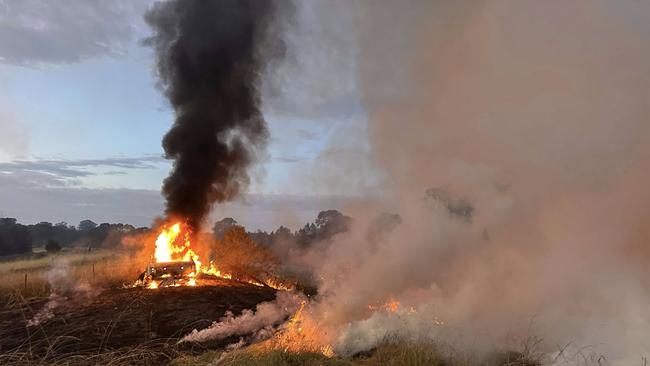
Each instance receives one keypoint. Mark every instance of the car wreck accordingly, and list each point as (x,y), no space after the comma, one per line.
(166,274)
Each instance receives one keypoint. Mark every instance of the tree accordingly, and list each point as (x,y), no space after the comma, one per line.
(221,227)
(86,225)
(282,233)
(328,223)
(41,232)
(240,256)
(65,234)
(52,246)
(14,238)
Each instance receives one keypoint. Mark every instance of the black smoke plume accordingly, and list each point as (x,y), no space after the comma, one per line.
(209,61)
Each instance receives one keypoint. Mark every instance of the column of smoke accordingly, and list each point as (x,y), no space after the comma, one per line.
(209,59)
(536,114)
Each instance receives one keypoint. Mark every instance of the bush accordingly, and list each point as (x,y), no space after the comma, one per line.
(239,255)
(52,246)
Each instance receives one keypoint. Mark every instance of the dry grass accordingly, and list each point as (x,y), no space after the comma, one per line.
(270,358)
(394,352)
(36,277)
(141,355)
(113,268)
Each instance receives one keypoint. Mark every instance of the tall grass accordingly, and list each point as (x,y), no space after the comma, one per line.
(392,352)
(39,276)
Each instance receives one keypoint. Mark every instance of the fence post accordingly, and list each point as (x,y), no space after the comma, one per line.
(25,281)
(93,270)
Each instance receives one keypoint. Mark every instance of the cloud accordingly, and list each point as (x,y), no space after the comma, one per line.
(56,190)
(307,135)
(36,32)
(58,173)
(115,172)
(31,204)
(289,158)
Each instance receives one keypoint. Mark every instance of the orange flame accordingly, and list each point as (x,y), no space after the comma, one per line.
(169,247)
(174,244)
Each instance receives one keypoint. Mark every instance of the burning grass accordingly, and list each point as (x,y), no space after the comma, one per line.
(75,309)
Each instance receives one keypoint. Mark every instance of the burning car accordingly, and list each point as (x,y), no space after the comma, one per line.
(165,274)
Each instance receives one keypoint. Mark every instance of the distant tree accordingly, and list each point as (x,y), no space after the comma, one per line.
(328,223)
(332,222)
(65,234)
(8,221)
(262,237)
(222,226)
(282,233)
(86,225)
(240,256)
(41,232)
(14,238)
(52,246)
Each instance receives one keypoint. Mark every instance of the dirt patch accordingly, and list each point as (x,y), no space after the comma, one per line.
(115,319)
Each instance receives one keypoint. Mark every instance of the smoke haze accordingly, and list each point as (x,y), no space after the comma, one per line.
(209,64)
(535,115)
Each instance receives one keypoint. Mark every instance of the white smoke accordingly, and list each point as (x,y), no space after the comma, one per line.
(47,312)
(61,284)
(266,314)
(535,114)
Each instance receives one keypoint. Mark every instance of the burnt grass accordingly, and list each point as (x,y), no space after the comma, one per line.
(121,320)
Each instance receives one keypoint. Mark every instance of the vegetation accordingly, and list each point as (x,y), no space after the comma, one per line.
(17,238)
(241,253)
(36,277)
(14,238)
(390,353)
(240,256)
(52,246)
(327,224)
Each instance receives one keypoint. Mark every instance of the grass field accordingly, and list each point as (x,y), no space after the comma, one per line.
(111,269)
(36,277)
(391,352)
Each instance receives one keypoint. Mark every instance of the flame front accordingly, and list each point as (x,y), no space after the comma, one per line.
(174,243)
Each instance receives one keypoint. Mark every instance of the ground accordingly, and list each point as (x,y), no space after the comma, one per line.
(95,320)
(106,320)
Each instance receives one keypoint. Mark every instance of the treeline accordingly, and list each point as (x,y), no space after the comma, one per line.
(16,238)
(327,224)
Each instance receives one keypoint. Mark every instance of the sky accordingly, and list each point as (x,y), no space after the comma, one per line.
(82,120)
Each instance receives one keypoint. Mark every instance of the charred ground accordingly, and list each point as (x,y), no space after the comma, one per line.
(131,322)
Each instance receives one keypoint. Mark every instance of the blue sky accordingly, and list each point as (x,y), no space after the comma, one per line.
(81,118)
